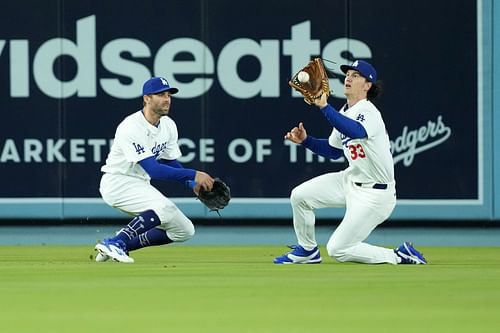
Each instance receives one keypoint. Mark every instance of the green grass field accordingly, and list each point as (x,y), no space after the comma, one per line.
(237,289)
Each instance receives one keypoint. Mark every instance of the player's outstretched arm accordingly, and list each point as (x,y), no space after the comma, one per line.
(165,172)
(322,147)
(171,163)
(345,125)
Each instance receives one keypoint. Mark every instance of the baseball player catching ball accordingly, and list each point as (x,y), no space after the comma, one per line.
(145,147)
(366,188)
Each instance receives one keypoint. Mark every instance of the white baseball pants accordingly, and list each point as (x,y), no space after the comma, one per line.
(366,208)
(134,196)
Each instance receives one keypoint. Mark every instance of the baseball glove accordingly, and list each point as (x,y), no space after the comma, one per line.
(217,198)
(318,81)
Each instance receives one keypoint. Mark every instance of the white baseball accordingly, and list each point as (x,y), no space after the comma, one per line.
(303,77)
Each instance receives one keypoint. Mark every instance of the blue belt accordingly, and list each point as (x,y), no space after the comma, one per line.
(377,186)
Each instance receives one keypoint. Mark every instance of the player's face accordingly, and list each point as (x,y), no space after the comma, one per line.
(355,84)
(160,103)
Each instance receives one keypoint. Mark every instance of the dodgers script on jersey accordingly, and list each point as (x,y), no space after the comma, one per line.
(370,161)
(136,139)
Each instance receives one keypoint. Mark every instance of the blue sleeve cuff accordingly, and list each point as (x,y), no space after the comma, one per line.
(191,184)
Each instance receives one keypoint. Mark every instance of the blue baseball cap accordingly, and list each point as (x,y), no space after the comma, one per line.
(156,85)
(364,68)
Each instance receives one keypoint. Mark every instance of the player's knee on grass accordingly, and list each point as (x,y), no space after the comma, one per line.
(337,251)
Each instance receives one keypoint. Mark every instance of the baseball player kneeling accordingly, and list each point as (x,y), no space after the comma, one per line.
(366,188)
(145,147)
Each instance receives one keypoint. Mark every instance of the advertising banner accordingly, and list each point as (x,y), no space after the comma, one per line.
(72,71)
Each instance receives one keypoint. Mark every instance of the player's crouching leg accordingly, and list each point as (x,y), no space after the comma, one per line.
(181,234)
(179,228)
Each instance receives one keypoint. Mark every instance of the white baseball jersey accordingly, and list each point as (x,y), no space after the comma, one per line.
(136,139)
(370,158)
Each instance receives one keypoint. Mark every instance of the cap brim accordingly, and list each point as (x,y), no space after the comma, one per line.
(345,68)
(172,91)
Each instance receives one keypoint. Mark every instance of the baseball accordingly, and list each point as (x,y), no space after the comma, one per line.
(303,77)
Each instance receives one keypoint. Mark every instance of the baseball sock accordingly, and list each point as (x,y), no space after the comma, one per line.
(140,224)
(151,237)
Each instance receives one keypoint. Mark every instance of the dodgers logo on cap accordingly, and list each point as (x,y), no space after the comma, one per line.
(157,85)
(363,67)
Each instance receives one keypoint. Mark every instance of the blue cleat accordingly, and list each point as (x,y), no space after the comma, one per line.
(299,255)
(409,255)
(114,250)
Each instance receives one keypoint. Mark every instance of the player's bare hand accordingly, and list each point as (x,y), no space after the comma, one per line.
(203,181)
(196,189)
(297,134)
(321,102)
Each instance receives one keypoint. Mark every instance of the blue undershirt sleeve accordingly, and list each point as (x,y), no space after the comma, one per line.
(171,163)
(167,172)
(322,147)
(343,124)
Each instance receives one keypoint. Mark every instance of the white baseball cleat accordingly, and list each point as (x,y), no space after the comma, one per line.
(114,250)
(99,257)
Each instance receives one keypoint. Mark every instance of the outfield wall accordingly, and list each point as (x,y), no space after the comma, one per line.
(72,70)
